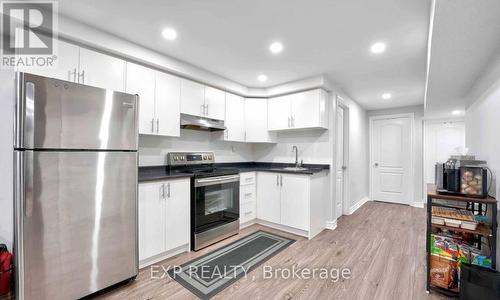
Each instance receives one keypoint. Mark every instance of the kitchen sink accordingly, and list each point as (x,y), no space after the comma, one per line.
(295,169)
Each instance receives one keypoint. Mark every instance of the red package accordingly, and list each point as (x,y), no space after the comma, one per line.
(5,270)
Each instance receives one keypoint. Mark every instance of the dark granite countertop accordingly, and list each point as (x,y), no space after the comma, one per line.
(151,173)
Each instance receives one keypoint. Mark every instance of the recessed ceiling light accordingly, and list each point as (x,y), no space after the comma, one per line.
(456,112)
(386,96)
(276,47)
(378,48)
(169,34)
(262,77)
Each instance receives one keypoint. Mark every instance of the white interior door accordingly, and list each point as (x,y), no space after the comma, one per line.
(391,157)
(339,162)
(441,140)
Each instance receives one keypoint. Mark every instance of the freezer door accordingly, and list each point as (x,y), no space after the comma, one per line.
(79,222)
(57,114)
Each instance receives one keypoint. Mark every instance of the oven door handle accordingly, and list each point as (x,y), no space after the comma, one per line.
(216,180)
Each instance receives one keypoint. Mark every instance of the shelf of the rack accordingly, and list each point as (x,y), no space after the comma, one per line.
(480,230)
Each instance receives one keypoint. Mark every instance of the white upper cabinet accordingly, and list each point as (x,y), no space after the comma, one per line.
(101,70)
(215,103)
(298,111)
(279,111)
(256,122)
(159,100)
(309,109)
(168,97)
(67,63)
(235,118)
(141,81)
(192,98)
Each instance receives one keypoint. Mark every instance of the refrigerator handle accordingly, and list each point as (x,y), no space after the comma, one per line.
(27,183)
(24,113)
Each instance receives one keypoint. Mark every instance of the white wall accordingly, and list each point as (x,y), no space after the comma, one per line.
(358,152)
(418,166)
(482,124)
(153,149)
(7,97)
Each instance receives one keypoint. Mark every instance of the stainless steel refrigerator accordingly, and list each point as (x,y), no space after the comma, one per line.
(75,188)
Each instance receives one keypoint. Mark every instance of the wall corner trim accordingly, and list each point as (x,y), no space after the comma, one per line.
(331,225)
(358,205)
(417,204)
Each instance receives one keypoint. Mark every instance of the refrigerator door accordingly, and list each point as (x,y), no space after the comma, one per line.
(79,222)
(57,114)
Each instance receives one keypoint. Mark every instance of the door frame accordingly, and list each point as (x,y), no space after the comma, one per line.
(411,116)
(424,146)
(345,185)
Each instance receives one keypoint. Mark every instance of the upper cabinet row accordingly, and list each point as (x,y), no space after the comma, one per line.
(163,97)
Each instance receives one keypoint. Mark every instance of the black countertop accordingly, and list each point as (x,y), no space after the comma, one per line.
(151,173)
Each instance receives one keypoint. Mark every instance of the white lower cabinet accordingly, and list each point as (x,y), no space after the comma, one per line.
(293,202)
(248,204)
(163,219)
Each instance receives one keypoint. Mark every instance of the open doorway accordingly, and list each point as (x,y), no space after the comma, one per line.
(341,158)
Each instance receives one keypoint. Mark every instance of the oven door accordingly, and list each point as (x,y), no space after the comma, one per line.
(216,201)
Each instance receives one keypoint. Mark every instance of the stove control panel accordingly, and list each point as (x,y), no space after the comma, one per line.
(190,158)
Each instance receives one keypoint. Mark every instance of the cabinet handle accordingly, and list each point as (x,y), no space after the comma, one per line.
(248,212)
(281,180)
(74,75)
(288,122)
(152,125)
(162,193)
(206,111)
(248,194)
(82,75)
(227,133)
(157,125)
(293,122)
(277,180)
(168,190)
(202,109)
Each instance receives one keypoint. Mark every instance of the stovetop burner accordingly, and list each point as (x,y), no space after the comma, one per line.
(201,164)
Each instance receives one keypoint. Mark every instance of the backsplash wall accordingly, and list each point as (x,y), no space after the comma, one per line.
(153,149)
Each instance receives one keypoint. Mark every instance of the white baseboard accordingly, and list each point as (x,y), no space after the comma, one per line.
(162,256)
(417,204)
(358,205)
(248,223)
(331,225)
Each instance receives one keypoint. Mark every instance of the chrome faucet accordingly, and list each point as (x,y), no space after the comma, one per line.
(294,148)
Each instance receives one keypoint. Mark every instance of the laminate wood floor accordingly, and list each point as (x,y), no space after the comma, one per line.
(382,244)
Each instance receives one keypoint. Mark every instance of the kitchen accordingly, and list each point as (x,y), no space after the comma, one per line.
(182,159)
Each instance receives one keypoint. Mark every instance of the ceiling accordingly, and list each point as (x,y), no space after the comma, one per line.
(465,39)
(321,37)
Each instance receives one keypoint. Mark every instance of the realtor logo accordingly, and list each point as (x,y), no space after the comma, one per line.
(28,33)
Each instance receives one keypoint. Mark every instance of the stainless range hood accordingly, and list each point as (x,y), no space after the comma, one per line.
(200,123)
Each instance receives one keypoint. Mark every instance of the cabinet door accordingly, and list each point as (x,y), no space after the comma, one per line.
(67,63)
(279,113)
(168,97)
(308,109)
(268,197)
(192,98)
(177,217)
(141,81)
(102,70)
(256,122)
(295,201)
(215,101)
(235,118)
(151,220)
